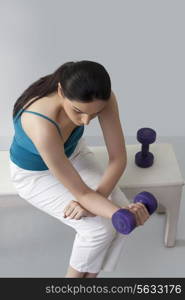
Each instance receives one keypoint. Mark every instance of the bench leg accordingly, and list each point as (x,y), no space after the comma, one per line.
(172,215)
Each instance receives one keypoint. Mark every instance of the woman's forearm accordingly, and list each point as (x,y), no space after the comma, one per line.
(97,204)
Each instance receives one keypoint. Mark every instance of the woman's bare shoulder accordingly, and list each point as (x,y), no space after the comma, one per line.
(42,105)
(30,121)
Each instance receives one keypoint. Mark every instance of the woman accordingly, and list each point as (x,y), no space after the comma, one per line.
(54,170)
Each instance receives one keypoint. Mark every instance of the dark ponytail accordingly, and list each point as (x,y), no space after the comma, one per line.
(82,81)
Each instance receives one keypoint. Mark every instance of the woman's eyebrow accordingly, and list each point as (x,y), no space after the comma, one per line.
(86,113)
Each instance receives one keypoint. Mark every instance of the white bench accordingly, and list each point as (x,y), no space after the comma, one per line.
(163,179)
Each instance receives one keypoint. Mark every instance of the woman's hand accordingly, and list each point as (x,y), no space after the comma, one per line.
(75,211)
(140,212)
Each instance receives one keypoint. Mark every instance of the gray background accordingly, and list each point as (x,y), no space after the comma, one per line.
(141,44)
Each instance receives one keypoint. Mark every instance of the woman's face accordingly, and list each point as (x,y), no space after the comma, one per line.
(81,113)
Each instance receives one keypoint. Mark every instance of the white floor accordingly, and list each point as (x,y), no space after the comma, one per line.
(33,244)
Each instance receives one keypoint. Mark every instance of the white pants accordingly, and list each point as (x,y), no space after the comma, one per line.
(97,246)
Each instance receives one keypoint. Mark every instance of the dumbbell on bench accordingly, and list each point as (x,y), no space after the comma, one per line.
(124,221)
(144,158)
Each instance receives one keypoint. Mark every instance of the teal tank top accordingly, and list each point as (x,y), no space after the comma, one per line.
(23,151)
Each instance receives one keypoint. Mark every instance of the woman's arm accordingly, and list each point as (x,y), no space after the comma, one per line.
(115,143)
(109,180)
(97,204)
(111,176)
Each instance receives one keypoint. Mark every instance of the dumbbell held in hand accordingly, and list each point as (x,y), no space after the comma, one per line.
(144,158)
(124,221)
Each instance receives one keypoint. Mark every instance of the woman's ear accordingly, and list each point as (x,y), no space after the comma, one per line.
(60,89)
(59,85)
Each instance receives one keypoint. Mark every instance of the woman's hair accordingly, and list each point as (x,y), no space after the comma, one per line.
(82,81)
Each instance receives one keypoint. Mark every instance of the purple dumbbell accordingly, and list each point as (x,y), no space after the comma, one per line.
(144,158)
(124,221)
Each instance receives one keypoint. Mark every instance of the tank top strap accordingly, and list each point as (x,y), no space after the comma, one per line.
(39,114)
